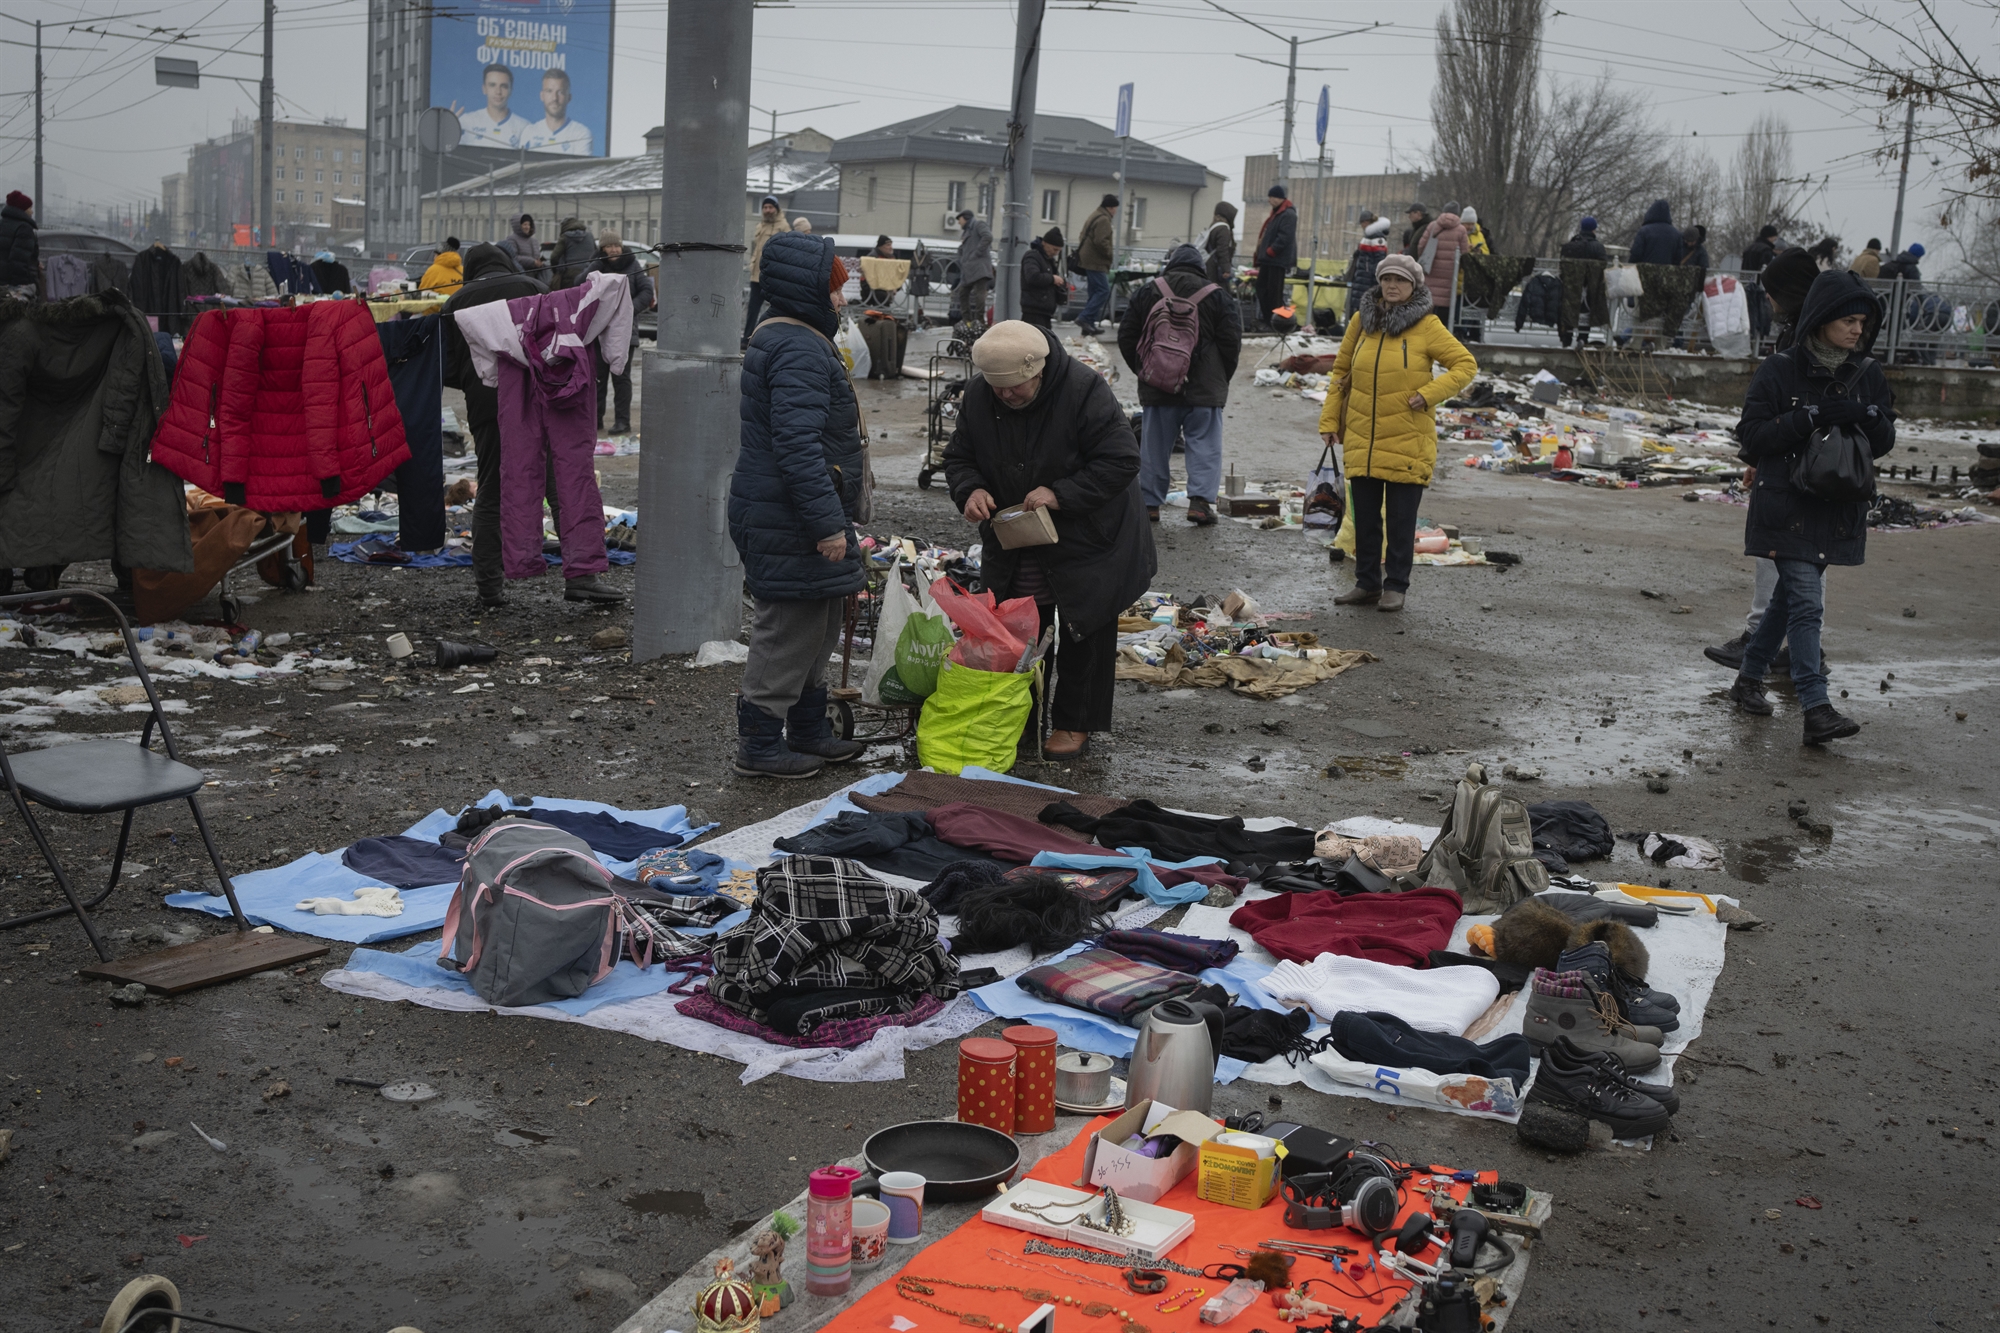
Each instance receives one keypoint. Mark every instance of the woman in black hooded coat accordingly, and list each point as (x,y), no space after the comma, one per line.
(1822,380)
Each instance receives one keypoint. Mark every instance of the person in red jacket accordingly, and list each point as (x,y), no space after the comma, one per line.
(1277,252)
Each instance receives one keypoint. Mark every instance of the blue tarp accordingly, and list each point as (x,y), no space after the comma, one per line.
(417,966)
(449,559)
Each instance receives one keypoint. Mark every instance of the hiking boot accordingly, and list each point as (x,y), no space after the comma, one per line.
(761,751)
(589,589)
(621,428)
(1391,600)
(493,597)
(1826,723)
(1358,597)
(1634,1001)
(1566,1054)
(1728,654)
(1748,695)
(1589,1090)
(1200,512)
(808,730)
(1568,1004)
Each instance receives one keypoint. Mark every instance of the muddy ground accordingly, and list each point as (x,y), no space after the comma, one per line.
(1848,1058)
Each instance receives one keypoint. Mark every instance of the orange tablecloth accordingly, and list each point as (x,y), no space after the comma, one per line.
(963,1256)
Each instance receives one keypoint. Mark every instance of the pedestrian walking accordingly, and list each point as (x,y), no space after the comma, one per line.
(792,500)
(1868,263)
(446,272)
(1095,251)
(521,245)
(1193,411)
(613,257)
(1822,381)
(1790,277)
(1219,245)
(20,248)
(1437,254)
(1905,265)
(975,267)
(1277,252)
(572,255)
(1042,430)
(490,275)
(802,225)
(1757,256)
(1382,412)
(1044,289)
(1418,215)
(770,221)
(1372,249)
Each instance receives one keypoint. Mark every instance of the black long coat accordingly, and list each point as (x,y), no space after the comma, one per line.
(1074,439)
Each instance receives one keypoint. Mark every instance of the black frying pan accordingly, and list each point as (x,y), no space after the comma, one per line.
(957,1161)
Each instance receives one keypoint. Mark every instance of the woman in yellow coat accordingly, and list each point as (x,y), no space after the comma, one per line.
(1382,412)
(447,271)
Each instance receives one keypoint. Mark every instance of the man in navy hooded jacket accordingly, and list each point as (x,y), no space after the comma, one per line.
(1658,240)
(792,502)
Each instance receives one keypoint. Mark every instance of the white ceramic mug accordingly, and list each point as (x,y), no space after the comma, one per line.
(871,1232)
(903,1192)
(399,646)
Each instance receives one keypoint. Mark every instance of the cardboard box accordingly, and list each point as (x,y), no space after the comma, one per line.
(1249,506)
(1107,1162)
(1015,528)
(1241,1174)
(1055,1212)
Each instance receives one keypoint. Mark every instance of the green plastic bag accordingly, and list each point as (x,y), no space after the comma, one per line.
(889,685)
(919,649)
(974,717)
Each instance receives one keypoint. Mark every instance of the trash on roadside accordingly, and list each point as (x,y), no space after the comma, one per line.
(717,652)
(207,1138)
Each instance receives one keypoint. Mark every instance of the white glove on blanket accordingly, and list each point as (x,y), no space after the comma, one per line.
(369,900)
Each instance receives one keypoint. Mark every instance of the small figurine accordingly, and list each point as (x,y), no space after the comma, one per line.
(766,1279)
(727,1304)
(1295,1307)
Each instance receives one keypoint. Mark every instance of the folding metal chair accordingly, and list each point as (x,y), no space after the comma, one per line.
(106,776)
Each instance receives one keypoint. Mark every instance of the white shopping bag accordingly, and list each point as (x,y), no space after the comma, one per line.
(853,350)
(1726,312)
(897,605)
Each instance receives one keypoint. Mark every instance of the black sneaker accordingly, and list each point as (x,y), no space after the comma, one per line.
(1728,654)
(1597,1094)
(1566,1054)
(1826,723)
(1748,695)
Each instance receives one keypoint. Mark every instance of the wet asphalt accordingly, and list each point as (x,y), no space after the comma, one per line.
(565,1173)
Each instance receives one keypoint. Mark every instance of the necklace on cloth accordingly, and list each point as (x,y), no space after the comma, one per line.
(915,1289)
(1000,1256)
(1076,1254)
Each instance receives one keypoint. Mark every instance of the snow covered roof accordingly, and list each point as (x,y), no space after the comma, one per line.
(620,175)
(977,136)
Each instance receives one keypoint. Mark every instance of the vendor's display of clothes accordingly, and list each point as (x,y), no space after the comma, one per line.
(283,408)
(903,844)
(222,534)
(64,276)
(1666,292)
(1171,836)
(331,276)
(542,353)
(924,790)
(1182,953)
(201,276)
(252,280)
(157,289)
(109,273)
(291,275)
(825,924)
(414,350)
(1022,906)
(407,863)
(1106,983)
(1256,1035)
(838,1033)
(1384,1039)
(1486,280)
(1541,301)
(681,871)
(619,839)
(1445,999)
(1583,286)
(1566,831)
(1390,928)
(81,390)
(1512,976)
(997,834)
(1391,853)
(1582,907)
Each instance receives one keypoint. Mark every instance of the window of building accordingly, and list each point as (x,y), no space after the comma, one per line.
(319,197)
(985,199)
(339,155)
(319,154)
(954,196)
(1051,205)
(336,178)
(279,173)
(357,157)
(319,177)
(871,194)
(298,153)
(1138,216)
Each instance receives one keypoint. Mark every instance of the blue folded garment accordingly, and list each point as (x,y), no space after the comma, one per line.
(403,862)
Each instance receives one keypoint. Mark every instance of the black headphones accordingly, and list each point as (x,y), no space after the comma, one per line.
(1361,1193)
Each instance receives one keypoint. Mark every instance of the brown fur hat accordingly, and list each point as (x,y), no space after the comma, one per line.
(1532,934)
(1627,954)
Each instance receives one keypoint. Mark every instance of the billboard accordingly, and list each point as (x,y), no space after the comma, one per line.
(533,74)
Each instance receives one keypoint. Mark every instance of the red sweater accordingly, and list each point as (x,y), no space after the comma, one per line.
(1386,927)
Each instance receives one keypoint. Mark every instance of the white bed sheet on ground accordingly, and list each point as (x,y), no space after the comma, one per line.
(1687,957)
(655,1018)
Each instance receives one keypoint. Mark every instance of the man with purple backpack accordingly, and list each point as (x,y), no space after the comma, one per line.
(1182,335)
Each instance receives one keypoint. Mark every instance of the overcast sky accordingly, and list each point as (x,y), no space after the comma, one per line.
(112,134)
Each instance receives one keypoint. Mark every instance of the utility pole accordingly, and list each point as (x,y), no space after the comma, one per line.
(1015,219)
(267,97)
(690,579)
(1902,179)
(1291,97)
(43,203)
(1123,122)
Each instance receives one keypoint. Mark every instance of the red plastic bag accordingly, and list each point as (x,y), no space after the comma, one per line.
(992,636)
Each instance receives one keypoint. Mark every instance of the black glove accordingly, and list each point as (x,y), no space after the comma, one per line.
(1841,412)
(1804,421)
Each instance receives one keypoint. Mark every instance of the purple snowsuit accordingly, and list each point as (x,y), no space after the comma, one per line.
(542,354)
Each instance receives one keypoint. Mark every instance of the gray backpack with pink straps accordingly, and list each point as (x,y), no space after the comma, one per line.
(534,917)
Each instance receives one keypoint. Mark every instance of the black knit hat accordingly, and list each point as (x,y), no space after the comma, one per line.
(1053,236)
(1108,201)
(1861,303)
(1276,192)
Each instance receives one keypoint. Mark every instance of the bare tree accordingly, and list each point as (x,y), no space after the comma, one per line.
(1902,55)
(1486,109)
(1597,156)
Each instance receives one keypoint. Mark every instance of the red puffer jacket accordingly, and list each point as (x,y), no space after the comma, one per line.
(283,409)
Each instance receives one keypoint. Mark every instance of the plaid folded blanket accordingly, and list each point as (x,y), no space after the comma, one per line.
(1107,983)
(845,1033)
(1182,953)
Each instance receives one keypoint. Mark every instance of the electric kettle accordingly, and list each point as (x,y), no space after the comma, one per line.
(1174,1061)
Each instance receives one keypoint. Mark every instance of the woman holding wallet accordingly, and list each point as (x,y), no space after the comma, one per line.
(1040,430)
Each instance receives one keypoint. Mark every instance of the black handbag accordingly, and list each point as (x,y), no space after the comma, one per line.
(1837,465)
(1073,261)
